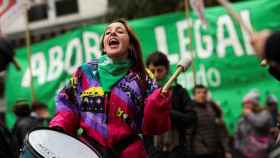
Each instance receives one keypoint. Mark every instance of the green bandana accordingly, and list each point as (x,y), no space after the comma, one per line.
(110,72)
(164,80)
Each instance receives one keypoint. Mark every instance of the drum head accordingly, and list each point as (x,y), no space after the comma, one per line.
(54,144)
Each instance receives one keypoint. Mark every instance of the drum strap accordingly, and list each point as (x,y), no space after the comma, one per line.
(116,150)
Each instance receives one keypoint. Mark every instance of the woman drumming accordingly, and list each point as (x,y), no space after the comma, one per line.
(112,98)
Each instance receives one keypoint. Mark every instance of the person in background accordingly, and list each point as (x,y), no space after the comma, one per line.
(271,103)
(266,44)
(172,143)
(209,138)
(24,121)
(113,99)
(253,138)
(223,131)
(40,111)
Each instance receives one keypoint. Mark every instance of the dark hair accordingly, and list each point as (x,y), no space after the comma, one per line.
(21,108)
(158,58)
(198,86)
(38,106)
(135,52)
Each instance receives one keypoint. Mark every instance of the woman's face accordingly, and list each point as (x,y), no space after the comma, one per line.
(116,41)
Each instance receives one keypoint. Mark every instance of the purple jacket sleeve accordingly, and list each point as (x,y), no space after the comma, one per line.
(67,115)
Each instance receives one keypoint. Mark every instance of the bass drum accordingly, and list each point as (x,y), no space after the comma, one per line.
(50,143)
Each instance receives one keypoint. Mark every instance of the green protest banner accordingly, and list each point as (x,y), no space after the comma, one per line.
(224,59)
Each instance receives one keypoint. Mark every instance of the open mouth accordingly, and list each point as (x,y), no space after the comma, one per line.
(113,42)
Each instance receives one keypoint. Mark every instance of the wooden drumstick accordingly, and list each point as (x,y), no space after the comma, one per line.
(237,17)
(16,64)
(264,63)
(182,66)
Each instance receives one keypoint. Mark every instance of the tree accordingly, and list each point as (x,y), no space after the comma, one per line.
(132,9)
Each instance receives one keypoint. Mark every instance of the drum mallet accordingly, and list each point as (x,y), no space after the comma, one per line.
(237,17)
(182,66)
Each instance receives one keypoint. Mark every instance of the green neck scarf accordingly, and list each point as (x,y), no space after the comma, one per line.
(111,71)
(164,80)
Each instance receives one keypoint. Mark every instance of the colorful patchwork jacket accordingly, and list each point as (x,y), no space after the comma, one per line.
(109,117)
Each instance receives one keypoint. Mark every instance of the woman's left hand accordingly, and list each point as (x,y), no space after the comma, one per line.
(166,93)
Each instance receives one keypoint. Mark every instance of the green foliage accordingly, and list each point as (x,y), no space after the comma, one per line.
(133,9)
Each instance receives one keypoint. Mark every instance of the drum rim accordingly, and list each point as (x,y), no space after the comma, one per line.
(37,154)
(30,148)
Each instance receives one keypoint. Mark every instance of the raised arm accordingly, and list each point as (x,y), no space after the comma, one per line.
(157,113)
